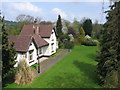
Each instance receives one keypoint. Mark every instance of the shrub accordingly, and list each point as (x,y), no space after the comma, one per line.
(33,67)
(96,42)
(24,74)
(76,41)
(81,36)
(90,42)
(69,45)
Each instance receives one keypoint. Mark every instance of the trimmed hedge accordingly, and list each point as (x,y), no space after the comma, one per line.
(90,43)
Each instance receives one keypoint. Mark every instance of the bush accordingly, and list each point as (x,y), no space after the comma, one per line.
(69,45)
(76,41)
(33,67)
(90,42)
(24,74)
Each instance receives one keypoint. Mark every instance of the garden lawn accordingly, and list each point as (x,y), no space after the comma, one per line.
(76,70)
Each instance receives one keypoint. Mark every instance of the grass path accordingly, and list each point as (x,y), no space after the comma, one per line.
(76,70)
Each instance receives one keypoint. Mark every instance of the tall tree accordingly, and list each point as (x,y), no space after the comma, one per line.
(25,18)
(81,35)
(76,26)
(8,54)
(71,31)
(59,31)
(109,59)
(22,20)
(59,27)
(87,26)
(97,28)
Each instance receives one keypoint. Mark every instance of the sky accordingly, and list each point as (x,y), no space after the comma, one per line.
(49,11)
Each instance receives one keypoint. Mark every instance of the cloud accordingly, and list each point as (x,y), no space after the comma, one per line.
(26,7)
(59,12)
(12,10)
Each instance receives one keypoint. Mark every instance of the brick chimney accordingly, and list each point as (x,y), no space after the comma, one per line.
(36,30)
(36,22)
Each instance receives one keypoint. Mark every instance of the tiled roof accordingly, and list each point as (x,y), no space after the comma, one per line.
(39,41)
(22,42)
(43,30)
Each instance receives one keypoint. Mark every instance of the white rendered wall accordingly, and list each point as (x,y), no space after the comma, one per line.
(32,47)
(25,56)
(51,40)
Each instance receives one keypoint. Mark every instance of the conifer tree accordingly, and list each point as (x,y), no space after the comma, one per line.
(87,26)
(8,54)
(109,59)
(59,27)
(81,35)
(59,30)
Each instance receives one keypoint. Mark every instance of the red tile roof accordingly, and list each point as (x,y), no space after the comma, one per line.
(22,42)
(39,41)
(44,30)
(27,34)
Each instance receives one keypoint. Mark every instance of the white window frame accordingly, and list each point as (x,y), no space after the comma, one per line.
(40,50)
(31,55)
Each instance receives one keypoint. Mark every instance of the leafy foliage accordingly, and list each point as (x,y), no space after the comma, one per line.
(71,31)
(45,22)
(76,26)
(69,45)
(87,26)
(8,54)
(59,31)
(109,57)
(81,36)
(59,27)
(97,29)
(90,42)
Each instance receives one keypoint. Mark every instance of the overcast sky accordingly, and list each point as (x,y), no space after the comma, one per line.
(49,11)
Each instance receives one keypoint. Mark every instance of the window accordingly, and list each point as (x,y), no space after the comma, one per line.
(37,51)
(26,55)
(31,54)
(40,51)
(52,38)
(52,47)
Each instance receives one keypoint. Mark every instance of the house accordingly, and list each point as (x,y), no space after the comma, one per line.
(34,42)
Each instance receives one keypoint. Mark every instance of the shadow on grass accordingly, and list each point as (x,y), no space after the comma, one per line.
(85,79)
(8,80)
(87,69)
(92,56)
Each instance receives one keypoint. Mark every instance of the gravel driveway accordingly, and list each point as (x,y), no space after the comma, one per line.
(46,64)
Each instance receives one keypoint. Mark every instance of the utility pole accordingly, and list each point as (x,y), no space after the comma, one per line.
(38,66)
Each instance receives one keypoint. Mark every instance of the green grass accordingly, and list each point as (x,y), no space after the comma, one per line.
(76,70)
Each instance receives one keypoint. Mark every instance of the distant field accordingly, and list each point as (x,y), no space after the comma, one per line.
(76,70)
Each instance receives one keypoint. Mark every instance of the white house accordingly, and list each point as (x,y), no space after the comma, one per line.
(34,42)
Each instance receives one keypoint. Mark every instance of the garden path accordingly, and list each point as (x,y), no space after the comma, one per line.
(46,64)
